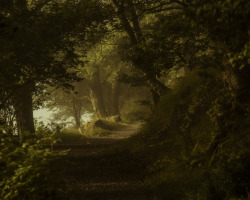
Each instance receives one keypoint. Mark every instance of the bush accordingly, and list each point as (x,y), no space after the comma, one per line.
(27,171)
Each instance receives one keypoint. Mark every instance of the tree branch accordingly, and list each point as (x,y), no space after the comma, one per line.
(119,8)
(161,7)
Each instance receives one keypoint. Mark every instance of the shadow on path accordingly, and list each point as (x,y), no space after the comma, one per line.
(91,175)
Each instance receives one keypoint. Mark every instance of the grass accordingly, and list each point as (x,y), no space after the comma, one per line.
(108,128)
(73,135)
(70,136)
(97,132)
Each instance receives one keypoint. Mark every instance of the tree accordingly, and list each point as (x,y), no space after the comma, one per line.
(69,103)
(96,73)
(148,53)
(129,20)
(228,29)
(39,47)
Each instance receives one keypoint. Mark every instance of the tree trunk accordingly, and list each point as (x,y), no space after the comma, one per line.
(77,122)
(135,34)
(158,87)
(115,98)
(98,103)
(96,96)
(119,9)
(155,97)
(24,111)
(77,114)
(135,21)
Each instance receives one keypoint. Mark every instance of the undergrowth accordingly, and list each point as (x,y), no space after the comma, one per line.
(102,127)
(196,142)
(28,170)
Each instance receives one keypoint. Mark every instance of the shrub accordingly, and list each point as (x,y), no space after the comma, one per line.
(27,171)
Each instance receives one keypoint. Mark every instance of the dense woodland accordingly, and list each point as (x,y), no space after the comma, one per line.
(182,67)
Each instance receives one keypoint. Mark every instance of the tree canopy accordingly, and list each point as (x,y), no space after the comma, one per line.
(183,66)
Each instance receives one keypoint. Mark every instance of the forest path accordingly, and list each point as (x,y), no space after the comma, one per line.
(93,175)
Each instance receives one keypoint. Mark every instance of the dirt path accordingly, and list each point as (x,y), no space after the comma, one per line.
(92,175)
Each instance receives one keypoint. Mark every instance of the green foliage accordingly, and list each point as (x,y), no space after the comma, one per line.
(188,168)
(227,22)
(197,139)
(196,142)
(47,135)
(42,42)
(27,171)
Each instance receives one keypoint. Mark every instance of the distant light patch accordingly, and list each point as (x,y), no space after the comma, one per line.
(43,115)
(46,116)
